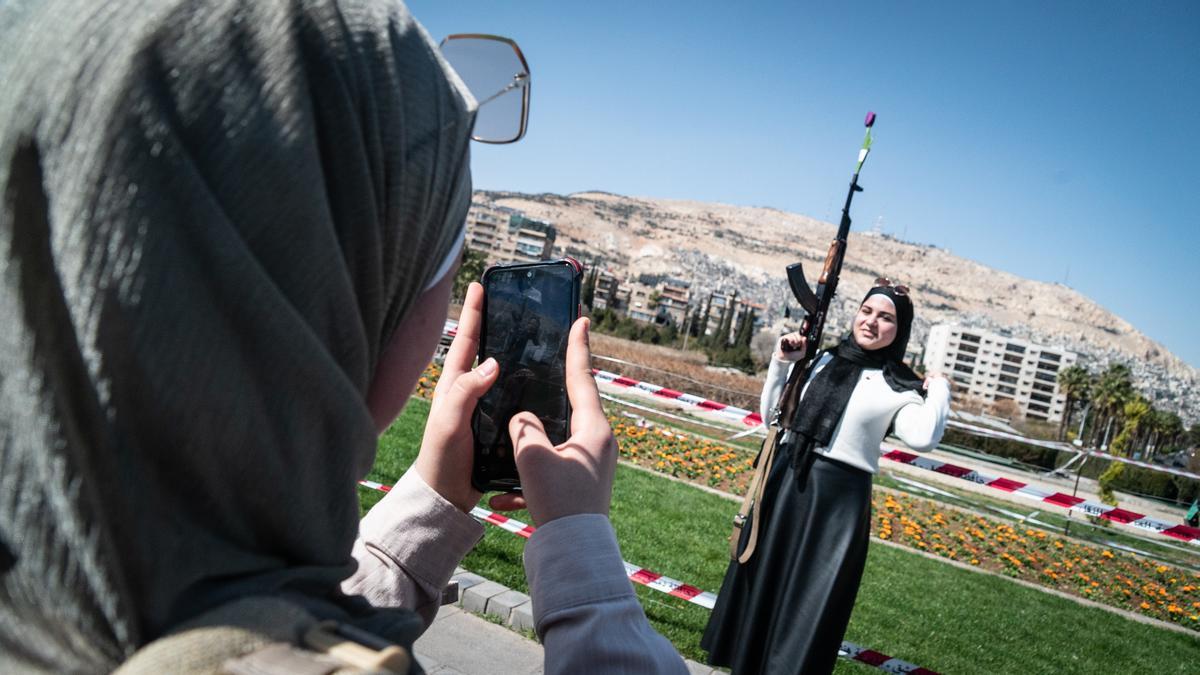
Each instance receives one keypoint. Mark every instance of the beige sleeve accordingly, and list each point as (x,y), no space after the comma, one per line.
(584,607)
(408,546)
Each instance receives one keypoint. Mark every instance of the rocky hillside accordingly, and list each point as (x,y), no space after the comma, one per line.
(717,246)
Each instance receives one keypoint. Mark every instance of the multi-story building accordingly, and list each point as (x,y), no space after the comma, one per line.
(506,235)
(995,368)
(487,227)
(532,240)
(717,304)
(640,306)
(716,307)
(604,296)
(622,296)
(673,298)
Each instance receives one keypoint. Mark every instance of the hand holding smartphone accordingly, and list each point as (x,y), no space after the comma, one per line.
(527,317)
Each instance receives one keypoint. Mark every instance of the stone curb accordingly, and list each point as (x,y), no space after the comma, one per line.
(515,609)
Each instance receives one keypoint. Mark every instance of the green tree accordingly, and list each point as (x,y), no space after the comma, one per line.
(721,340)
(1107,481)
(588,294)
(694,324)
(1111,391)
(471,269)
(745,329)
(1134,414)
(1163,432)
(1074,382)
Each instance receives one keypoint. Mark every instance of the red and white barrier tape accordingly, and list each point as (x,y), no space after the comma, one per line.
(886,663)
(732,413)
(1111,513)
(694,595)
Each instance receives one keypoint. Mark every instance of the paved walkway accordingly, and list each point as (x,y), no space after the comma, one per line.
(459,642)
(462,643)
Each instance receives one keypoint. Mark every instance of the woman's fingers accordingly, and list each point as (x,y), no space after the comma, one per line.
(791,347)
(467,388)
(508,501)
(586,411)
(445,458)
(466,341)
(558,481)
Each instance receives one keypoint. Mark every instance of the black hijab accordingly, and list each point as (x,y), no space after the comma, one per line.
(829,392)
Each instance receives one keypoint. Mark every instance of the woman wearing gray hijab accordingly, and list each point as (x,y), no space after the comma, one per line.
(227,237)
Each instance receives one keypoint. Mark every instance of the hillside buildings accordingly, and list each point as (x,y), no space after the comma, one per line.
(607,291)
(995,368)
(506,235)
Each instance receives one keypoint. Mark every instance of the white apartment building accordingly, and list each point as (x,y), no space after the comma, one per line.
(993,367)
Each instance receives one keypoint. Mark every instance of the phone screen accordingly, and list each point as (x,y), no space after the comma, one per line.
(528,312)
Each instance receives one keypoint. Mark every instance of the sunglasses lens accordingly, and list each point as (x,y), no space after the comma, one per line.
(900,289)
(882,281)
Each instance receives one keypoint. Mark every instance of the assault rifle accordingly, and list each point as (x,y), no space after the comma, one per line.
(816,307)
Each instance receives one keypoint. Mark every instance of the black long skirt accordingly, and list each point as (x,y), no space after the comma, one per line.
(786,610)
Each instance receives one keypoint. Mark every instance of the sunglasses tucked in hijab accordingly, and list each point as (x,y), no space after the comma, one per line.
(214,217)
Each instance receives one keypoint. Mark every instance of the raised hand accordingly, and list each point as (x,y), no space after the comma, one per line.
(790,347)
(447,448)
(576,476)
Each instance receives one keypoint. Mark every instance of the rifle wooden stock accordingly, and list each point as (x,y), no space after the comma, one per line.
(833,262)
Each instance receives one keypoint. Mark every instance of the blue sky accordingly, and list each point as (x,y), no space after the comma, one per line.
(1051,140)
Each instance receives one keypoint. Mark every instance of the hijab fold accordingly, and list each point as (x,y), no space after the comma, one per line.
(215,215)
(827,395)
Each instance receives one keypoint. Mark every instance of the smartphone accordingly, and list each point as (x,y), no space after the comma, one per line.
(528,309)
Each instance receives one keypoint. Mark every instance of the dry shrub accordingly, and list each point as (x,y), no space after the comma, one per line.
(675,369)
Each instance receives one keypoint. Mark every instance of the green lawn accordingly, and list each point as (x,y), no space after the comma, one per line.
(920,610)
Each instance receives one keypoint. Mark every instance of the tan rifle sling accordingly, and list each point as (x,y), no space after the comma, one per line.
(748,514)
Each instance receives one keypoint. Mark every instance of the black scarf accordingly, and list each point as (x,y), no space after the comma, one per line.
(825,402)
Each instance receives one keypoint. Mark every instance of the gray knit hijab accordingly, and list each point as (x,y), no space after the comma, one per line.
(214,215)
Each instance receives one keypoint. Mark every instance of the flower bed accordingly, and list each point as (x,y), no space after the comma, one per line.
(698,460)
(1113,578)
(428,381)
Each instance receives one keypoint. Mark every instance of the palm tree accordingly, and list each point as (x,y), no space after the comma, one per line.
(1111,391)
(1074,382)
(1136,413)
(1164,430)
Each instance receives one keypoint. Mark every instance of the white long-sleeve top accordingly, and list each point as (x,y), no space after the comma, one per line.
(873,405)
(584,607)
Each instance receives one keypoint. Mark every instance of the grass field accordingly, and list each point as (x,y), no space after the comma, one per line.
(920,610)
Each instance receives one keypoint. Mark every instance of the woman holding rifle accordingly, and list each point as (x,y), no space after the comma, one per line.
(785,610)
